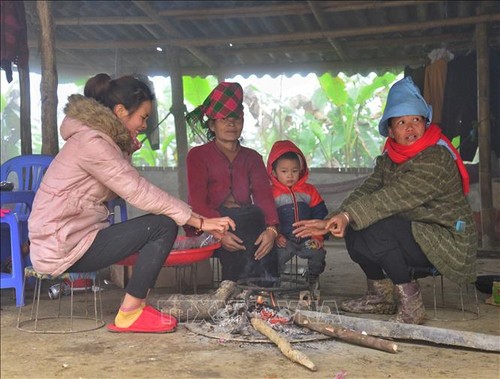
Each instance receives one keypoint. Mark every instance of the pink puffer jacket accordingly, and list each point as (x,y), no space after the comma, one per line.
(68,209)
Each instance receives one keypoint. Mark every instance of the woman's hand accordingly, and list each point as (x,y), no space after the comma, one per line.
(310,228)
(231,242)
(338,224)
(265,242)
(218,226)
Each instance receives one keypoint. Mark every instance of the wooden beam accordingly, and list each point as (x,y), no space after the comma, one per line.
(25,110)
(484,131)
(178,109)
(48,85)
(171,30)
(353,32)
(88,21)
(286,37)
(320,18)
(239,12)
(282,9)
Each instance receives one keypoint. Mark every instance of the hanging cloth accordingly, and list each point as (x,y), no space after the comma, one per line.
(14,41)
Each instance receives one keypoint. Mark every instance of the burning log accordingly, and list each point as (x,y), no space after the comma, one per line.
(344,334)
(388,329)
(282,344)
(198,307)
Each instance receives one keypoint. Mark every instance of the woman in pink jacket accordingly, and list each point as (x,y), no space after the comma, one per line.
(69,228)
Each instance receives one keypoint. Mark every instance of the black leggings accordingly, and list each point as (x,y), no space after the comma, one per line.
(151,235)
(386,248)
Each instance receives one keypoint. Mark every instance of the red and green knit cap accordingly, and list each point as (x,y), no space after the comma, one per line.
(226,100)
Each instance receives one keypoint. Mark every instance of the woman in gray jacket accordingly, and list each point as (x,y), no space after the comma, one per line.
(69,228)
(411,212)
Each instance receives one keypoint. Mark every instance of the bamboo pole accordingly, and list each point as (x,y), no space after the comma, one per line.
(282,344)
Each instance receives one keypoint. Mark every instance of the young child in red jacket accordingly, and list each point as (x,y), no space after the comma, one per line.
(296,200)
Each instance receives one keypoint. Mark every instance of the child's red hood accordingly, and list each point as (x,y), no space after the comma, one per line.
(281,147)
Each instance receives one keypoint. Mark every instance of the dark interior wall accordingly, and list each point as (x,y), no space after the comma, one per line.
(459,112)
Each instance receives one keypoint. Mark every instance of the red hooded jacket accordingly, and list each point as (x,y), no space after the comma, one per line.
(302,201)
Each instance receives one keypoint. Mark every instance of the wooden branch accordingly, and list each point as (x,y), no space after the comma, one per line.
(410,332)
(285,346)
(344,334)
(198,307)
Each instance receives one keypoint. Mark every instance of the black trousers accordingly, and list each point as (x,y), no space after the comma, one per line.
(386,249)
(241,265)
(151,235)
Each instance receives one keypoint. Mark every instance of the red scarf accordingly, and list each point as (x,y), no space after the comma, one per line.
(401,153)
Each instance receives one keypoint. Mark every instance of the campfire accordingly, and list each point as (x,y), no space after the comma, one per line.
(246,312)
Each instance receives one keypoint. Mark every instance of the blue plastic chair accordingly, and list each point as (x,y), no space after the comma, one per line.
(122,205)
(26,172)
(14,279)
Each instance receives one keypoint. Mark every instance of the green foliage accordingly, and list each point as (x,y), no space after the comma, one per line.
(197,89)
(10,122)
(335,127)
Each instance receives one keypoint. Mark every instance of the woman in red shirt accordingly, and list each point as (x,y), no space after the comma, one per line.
(228,179)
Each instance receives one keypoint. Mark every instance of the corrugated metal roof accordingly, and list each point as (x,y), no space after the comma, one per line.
(228,38)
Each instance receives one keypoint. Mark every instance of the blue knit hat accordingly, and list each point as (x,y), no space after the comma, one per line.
(404,99)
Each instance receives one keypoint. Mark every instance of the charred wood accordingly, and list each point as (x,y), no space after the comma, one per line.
(348,335)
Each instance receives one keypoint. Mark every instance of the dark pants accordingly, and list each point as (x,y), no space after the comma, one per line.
(315,257)
(151,235)
(241,265)
(386,249)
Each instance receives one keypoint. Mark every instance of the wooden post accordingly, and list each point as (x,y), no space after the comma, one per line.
(25,111)
(178,110)
(484,131)
(48,85)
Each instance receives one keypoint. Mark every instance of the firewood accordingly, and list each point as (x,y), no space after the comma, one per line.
(283,344)
(386,329)
(198,307)
(344,334)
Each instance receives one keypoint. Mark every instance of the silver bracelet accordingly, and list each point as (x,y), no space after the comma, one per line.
(346,215)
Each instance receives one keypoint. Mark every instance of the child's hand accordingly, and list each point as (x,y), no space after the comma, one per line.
(281,241)
(319,241)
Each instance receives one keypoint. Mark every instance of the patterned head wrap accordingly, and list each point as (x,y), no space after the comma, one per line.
(404,99)
(225,100)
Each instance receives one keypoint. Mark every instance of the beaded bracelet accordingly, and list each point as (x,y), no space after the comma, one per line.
(273,229)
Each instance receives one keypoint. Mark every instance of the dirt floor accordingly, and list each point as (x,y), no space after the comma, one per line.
(184,354)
